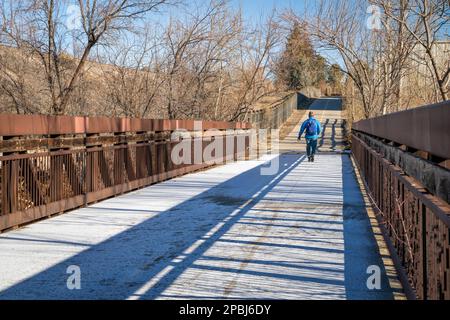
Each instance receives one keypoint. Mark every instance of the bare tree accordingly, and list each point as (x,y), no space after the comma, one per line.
(340,26)
(254,65)
(193,47)
(425,21)
(375,57)
(205,62)
(38,27)
(132,76)
(216,67)
(395,51)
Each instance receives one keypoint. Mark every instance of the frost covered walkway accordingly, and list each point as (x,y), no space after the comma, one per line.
(225,233)
(228,233)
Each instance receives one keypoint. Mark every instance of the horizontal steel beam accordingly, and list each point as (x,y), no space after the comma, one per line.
(425,128)
(16,125)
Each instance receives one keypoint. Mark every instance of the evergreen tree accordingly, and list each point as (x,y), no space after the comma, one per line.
(334,77)
(299,65)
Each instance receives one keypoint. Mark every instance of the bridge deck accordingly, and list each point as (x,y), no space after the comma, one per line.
(228,232)
(328,112)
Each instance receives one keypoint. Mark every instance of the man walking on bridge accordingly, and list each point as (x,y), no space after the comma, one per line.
(313,130)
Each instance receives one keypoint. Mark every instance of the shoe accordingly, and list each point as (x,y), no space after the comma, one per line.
(309,159)
(312,159)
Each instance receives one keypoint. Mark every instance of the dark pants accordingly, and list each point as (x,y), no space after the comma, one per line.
(311,146)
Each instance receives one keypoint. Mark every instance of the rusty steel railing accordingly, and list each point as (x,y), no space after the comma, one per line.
(417,221)
(275,116)
(425,128)
(51,164)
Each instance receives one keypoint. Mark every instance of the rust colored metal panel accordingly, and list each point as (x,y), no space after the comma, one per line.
(4,209)
(65,125)
(74,170)
(36,213)
(32,185)
(438,282)
(108,159)
(158,125)
(187,125)
(14,125)
(44,181)
(168,125)
(425,128)
(417,222)
(107,125)
(19,125)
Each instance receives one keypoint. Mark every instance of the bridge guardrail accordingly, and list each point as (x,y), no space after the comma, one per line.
(273,117)
(417,222)
(51,164)
(425,129)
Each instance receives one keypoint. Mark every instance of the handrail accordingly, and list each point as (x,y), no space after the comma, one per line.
(275,115)
(51,164)
(15,125)
(425,128)
(418,222)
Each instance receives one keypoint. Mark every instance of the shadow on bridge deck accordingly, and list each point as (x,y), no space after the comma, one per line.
(329,104)
(301,234)
(333,136)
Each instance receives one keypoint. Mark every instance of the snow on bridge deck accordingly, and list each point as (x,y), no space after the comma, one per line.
(225,233)
(228,233)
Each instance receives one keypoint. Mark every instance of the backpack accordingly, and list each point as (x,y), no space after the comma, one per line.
(311,127)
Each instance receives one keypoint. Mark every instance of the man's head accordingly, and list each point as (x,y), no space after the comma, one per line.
(311,114)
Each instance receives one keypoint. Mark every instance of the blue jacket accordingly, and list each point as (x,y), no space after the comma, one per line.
(303,128)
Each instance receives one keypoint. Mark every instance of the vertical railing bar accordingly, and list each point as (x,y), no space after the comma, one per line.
(424,254)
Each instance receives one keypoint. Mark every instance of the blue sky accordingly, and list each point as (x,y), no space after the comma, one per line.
(252,11)
(253,8)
